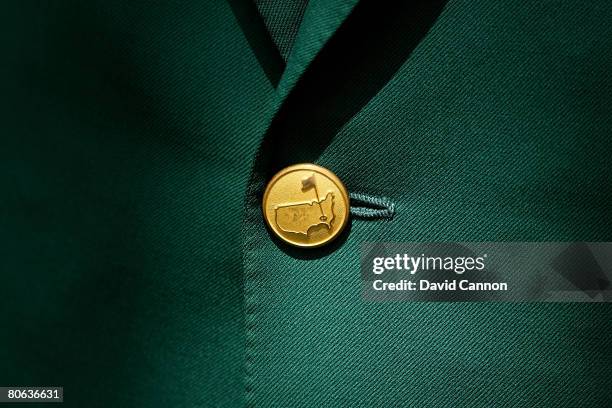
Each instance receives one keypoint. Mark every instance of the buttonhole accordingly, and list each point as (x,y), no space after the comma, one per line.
(371,207)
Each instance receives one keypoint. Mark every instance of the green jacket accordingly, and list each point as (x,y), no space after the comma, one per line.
(136,141)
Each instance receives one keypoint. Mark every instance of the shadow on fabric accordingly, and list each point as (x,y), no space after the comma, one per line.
(361,57)
(259,38)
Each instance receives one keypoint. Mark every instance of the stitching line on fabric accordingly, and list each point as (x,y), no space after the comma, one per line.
(250,300)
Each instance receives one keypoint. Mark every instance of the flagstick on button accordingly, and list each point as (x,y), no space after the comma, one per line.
(309,183)
(294,217)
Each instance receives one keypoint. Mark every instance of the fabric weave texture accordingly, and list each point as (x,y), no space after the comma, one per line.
(137,139)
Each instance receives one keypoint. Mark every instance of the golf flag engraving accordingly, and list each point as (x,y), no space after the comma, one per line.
(307,184)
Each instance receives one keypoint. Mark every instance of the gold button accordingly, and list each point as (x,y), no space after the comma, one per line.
(306,205)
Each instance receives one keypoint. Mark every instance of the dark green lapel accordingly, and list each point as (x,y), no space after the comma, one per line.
(321,20)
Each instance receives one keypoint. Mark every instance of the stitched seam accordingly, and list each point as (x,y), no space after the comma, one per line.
(250,301)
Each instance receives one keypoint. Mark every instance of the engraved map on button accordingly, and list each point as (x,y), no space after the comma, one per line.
(300,217)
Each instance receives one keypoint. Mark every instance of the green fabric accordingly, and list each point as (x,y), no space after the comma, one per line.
(487,122)
(320,21)
(136,141)
(128,129)
(282,20)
